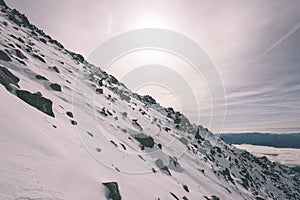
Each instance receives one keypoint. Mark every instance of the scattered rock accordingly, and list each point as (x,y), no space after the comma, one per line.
(55,87)
(113,188)
(99,91)
(54,69)
(148,99)
(40,77)
(137,125)
(39,58)
(2,3)
(4,56)
(102,112)
(21,40)
(20,54)
(73,122)
(36,100)
(43,40)
(186,188)
(213,197)
(90,134)
(70,114)
(183,140)
(114,143)
(159,163)
(159,146)
(124,147)
(145,140)
(124,114)
(6,78)
(174,195)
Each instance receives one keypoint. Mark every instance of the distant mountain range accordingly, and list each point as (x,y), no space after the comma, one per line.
(289,140)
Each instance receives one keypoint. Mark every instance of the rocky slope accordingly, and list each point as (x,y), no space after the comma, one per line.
(71,131)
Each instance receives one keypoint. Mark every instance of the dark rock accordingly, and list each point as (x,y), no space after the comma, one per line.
(99,91)
(21,40)
(55,42)
(137,125)
(174,196)
(73,122)
(124,114)
(213,197)
(145,140)
(39,58)
(167,129)
(148,99)
(77,57)
(55,87)
(123,96)
(185,198)
(159,163)
(4,56)
(36,100)
(20,54)
(70,114)
(183,140)
(186,188)
(19,19)
(2,3)
(54,69)
(124,147)
(22,62)
(40,77)
(259,198)
(43,40)
(114,143)
(100,83)
(102,112)
(112,80)
(6,78)
(113,188)
(90,134)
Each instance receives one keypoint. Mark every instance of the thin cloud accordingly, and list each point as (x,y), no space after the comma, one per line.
(293,30)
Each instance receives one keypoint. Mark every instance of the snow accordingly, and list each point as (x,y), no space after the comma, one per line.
(50,158)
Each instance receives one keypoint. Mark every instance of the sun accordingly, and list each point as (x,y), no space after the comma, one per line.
(151,20)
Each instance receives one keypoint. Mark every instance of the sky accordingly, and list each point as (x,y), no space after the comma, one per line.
(254,45)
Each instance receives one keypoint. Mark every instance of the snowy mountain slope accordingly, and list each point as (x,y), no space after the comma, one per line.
(67,127)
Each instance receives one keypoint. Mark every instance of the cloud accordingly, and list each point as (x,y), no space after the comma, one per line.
(293,30)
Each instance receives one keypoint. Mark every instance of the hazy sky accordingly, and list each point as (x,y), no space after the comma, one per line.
(254,44)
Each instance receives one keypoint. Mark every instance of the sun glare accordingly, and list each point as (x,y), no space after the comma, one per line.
(151,21)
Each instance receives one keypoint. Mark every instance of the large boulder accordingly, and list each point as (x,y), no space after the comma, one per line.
(7,78)
(36,100)
(4,56)
(113,188)
(145,140)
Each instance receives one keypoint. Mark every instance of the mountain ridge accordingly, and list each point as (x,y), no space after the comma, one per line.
(145,150)
(286,140)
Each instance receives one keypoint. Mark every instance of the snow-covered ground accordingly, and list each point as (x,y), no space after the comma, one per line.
(67,127)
